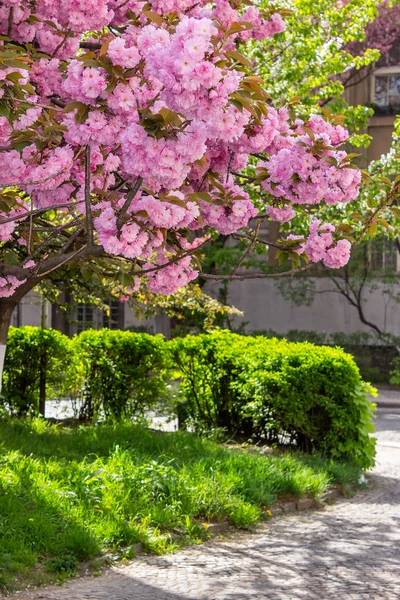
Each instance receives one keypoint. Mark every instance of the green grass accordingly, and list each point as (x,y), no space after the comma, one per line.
(70,495)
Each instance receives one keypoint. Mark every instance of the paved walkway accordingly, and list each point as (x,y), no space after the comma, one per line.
(348,550)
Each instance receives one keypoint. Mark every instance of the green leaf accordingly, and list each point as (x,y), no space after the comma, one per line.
(153,16)
(238,57)
(396,211)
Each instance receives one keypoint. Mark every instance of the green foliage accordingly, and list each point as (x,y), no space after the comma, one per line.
(62,564)
(241,386)
(208,365)
(374,353)
(276,390)
(34,357)
(308,59)
(395,373)
(72,494)
(121,374)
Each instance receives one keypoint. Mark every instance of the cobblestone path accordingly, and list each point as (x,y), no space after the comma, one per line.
(348,550)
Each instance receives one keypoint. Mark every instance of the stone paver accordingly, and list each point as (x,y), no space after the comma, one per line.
(349,550)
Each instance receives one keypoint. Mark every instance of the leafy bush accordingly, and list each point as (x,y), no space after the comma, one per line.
(374,353)
(122,373)
(208,365)
(272,389)
(35,368)
(395,373)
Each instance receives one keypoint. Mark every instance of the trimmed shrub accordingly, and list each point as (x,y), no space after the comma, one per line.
(374,353)
(122,373)
(276,390)
(35,368)
(208,366)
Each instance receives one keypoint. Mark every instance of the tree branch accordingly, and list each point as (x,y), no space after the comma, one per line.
(122,217)
(243,276)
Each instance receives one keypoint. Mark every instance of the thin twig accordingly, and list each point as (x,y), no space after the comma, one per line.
(242,276)
(249,248)
(89,216)
(10,21)
(37,211)
(30,232)
(60,45)
(122,217)
(237,174)
(57,230)
(90,45)
(63,262)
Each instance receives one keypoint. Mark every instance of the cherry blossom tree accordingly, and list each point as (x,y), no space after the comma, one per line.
(125,128)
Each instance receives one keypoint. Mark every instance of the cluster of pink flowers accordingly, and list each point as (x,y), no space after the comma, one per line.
(156,103)
(163,163)
(164,214)
(320,246)
(8,227)
(263,28)
(301,173)
(172,277)
(85,84)
(282,214)
(77,15)
(8,285)
(230,218)
(131,241)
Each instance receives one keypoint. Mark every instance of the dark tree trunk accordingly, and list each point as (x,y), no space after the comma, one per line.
(6,310)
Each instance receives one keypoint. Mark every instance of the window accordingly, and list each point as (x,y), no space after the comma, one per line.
(84,317)
(111,321)
(386,91)
(383,256)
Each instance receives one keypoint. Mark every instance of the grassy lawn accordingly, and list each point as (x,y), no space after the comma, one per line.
(70,495)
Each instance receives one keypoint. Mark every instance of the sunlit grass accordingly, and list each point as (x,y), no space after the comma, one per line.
(70,495)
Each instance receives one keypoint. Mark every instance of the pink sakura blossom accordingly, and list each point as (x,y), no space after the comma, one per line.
(228,219)
(282,214)
(168,280)
(320,246)
(338,256)
(164,163)
(8,285)
(5,130)
(294,173)
(78,15)
(29,264)
(8,227)
(127,57)
(28,119)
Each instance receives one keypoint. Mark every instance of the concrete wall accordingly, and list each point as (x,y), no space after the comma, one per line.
(265,308)
(29,311)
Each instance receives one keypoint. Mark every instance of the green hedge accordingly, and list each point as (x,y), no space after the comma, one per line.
(121,373)
(245,387)
(36,365)
(375,354)
(277,390)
